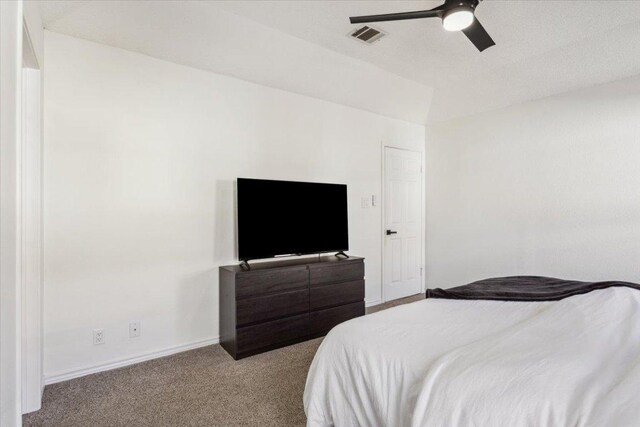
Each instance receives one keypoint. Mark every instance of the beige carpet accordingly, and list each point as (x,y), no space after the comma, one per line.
(203,387)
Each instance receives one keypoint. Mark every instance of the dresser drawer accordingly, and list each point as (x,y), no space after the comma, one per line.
(250,284)
(338,294)
(324,274)
(268,334)
(322,321)
(259,309)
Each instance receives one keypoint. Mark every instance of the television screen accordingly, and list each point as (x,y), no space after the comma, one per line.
(286,217)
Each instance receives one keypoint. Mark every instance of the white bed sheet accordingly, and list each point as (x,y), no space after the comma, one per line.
(574,362)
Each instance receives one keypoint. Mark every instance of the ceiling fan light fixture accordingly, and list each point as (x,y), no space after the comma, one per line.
(456,15)
(458,18)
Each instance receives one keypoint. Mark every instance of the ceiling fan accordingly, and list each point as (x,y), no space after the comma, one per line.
(456,15)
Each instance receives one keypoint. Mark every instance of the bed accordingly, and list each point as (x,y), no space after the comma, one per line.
(515,351)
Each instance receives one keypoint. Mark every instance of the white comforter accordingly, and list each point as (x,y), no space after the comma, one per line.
(574,362)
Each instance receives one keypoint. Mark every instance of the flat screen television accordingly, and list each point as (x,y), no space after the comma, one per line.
(290,218)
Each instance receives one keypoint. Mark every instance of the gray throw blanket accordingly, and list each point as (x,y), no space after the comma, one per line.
(523,288)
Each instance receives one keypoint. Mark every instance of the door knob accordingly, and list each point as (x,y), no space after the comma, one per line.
(389,232)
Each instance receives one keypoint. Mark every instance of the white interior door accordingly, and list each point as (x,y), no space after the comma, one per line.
(403,237)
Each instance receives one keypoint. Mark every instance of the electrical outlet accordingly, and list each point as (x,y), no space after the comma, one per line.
(98,336)
(365,202)
(134,329)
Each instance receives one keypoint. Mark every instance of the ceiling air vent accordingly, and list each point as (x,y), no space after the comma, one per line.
(367,34)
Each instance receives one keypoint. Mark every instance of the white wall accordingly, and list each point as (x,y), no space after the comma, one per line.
(549,188)
(140,161)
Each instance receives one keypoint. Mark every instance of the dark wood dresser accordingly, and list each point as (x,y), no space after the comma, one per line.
(279,303)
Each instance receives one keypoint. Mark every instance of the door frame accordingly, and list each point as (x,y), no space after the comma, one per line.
(384,213)
(31,228)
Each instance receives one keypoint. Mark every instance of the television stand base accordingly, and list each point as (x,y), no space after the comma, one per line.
(244,265)
(341,253)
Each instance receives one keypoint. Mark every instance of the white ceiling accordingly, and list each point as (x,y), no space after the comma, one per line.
(543,48)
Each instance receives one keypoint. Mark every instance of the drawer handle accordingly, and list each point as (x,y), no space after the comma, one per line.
(389,232)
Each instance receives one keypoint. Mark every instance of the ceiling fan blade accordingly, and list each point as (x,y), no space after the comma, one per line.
(478,35)
(419,14)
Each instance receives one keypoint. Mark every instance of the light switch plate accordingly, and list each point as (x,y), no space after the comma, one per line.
(365,202)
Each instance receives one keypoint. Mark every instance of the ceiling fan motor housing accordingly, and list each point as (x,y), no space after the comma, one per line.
(458,14)
(454,6)
(448,4)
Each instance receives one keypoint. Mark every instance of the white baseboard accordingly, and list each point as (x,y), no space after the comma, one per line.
(69,375)
(372,303)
